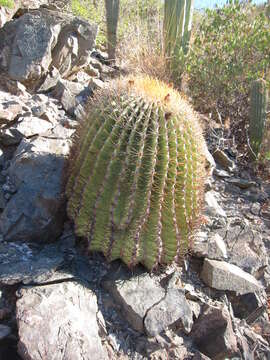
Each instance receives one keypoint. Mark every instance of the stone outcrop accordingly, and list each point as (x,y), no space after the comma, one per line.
(41,39)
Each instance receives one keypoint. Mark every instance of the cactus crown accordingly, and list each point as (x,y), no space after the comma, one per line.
(136,175)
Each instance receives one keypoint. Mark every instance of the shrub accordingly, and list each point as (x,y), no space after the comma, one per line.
(231,48)
(7,3)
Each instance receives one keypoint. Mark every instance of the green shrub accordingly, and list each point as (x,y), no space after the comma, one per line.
(7,3)
(231,48)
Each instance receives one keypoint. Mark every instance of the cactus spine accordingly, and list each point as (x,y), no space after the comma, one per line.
(258,114)
(136,176)
(177,29)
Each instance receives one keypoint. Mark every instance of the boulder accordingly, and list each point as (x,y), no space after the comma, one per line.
(224,276)
(36,211)
(58,321)
(41,39)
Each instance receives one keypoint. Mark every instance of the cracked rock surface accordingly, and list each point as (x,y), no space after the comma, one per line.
(58,322)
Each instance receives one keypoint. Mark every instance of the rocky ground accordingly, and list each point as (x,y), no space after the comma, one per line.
(56,303)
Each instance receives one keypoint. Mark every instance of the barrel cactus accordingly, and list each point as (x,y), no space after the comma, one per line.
(136,175)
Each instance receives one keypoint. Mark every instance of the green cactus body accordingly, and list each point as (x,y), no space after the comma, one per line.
(136,175)
(177,30)
(258,114)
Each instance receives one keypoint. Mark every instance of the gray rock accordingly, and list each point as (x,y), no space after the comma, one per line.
(212,206)
(40,39)
(70,94)
(4,331)
(212,247)
(10,137)
(241,183)
(213,333)
(59,320)
(29,126)
(224,276)
(19,263)
(174,307)
(223,160)
(135,296)
(246,248)
(36,211)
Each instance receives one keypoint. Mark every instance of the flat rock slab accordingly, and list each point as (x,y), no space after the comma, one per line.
(18,263)
(224,276)
(58,321)
(135,296)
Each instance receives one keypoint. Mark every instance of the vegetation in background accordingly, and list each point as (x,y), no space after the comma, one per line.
(231,48)
(7,3)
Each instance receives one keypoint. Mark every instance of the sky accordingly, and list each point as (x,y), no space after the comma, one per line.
(201,4)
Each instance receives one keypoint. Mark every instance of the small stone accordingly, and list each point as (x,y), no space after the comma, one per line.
(241,183)
(212,206)
(223,160)
(221,173)
(217,248)
(224,276)
(4,331)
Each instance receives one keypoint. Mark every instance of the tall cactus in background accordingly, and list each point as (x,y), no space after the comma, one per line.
(258,114)
(112,14)
(136,179)
(177,29)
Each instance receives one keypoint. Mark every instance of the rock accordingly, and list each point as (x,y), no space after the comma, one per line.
(174,307)
(244,305)
(19,263)
(60,320)
(71,94)
(36,211)
(213,334)
(217,248)
(212,206)
(50,80)
(95,84)
(223,160)
(4,331)
(10,137)
(91,71)
(212,247)
(40,39)
(246,247)
(29,126)
(9,109)
(221,173)
(224,276)
(135,295)
(241,183)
